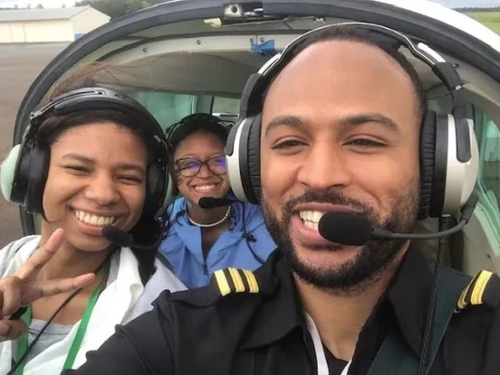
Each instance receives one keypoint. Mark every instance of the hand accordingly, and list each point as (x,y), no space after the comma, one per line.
(22,289)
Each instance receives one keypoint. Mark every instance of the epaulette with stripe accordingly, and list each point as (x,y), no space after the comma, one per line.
(235,280)
(484,289)
(226,282)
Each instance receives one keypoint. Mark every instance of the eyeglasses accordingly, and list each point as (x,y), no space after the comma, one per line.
(190,167)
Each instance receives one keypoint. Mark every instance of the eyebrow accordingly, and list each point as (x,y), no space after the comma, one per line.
(120,166)
(192,156)
(345,122)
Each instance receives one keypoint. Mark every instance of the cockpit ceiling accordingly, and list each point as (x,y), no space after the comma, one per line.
(214,72)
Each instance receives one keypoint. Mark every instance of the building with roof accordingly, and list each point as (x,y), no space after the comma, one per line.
(48,25)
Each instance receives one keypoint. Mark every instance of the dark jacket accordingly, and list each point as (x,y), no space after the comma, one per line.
(261,330)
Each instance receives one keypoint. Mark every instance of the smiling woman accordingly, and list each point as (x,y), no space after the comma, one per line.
(118,191)
(209,229)
(90,159)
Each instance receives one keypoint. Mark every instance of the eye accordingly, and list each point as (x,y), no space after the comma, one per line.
(217,161)
(187,164)
(288,144)
(366,143)
(130,179)
(77,169)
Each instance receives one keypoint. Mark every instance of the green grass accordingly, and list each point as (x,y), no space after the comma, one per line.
(489,19)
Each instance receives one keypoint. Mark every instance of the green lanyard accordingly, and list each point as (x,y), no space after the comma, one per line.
(77,342)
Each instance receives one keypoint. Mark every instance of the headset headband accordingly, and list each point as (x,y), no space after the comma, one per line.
(445,71)
(196,118)
(98,98)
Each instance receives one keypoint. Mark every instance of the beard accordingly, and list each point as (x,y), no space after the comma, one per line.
(371,260)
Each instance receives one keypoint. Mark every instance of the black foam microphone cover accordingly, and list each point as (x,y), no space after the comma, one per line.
(211,202)
(345,228)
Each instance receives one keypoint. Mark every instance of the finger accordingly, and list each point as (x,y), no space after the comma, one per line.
(40,257)
(11,298)
(53,287)
(11,329)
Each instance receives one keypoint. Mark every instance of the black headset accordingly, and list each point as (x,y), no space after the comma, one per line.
(449,156)
(24,172)
(196,121)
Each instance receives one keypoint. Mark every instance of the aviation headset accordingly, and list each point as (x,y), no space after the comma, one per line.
(197,121)
(23,173)
(449,157)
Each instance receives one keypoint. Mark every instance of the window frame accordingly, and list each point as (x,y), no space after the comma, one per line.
(492,211)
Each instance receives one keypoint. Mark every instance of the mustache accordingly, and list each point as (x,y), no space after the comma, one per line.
(333,197)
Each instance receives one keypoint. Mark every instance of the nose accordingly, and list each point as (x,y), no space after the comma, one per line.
(204,172)
(102,189)
(324,167)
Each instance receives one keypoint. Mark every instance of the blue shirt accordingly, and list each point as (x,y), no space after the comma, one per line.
(183,244)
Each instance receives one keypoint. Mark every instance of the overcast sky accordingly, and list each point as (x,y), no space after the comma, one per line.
(468,3)
(58,3)
(34,3)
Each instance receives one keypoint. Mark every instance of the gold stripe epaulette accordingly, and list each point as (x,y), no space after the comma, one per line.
(235,280)
(484,289)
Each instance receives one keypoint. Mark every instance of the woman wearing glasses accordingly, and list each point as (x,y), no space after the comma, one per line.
(203,240)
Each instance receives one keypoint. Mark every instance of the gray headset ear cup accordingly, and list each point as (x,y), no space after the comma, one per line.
(8,172)
(169,195)
(175,189)
(441,151)
(253,153)
(39,162)
(427,153)
(155,190)
(172,179)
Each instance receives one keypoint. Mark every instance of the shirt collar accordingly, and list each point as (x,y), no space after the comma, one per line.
(409,295)
(281,311)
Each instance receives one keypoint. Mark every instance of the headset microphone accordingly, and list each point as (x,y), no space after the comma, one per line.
(121,238)
(345,228)
(352,229)
(211,202)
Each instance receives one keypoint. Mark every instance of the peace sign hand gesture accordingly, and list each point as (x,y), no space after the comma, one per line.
(21,289)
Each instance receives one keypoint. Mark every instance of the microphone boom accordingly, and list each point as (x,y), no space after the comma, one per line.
(352,229)
(121,238)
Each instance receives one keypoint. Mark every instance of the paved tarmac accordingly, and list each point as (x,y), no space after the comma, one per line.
(19,66)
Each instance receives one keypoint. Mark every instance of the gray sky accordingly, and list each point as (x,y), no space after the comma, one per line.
(45,3)
(469,3)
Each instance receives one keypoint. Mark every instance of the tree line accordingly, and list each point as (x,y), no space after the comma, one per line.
(39,6)
(118,8)
(495,9)
(113,8)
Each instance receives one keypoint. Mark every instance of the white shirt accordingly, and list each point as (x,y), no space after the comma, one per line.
(322,364)
(122,300)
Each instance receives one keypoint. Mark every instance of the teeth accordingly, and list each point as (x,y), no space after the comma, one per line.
(204,188)
(311,225)
(97,221)
(311,216)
